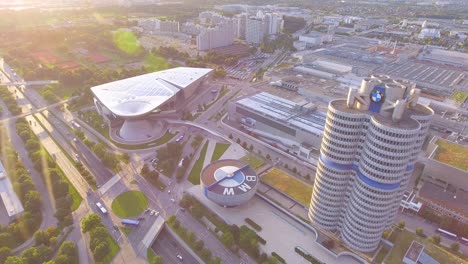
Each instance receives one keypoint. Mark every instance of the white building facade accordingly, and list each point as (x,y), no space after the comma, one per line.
(369,146)
(220,36)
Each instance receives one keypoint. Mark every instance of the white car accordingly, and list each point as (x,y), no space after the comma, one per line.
(156,214)
(152,212)
(172,200)
(180,257)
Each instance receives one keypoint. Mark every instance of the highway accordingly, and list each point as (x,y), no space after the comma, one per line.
(168,248)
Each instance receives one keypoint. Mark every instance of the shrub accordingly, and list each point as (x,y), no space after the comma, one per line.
(278,257)
(253,224)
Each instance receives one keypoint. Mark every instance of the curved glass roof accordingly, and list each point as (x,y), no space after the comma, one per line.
(142,94)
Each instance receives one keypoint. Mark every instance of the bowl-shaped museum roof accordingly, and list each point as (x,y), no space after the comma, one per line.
(142,94)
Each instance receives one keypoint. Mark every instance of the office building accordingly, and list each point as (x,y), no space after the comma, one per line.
(369,147)
(220,36)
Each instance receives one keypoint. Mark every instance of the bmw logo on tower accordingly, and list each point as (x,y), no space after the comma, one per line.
(377,96)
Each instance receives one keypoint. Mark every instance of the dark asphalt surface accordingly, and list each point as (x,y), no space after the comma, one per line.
(168,248)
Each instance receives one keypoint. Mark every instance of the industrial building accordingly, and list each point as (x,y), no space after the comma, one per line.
(229,182)
(447,57)
(11,203)
(431,78)
(135,101)
(295,127)
(370,144)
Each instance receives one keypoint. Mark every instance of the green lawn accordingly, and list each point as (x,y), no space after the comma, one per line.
(219,150)
(288,185)
(380,257)
(150,255)
(253,161)
(129,204)
(459,96)
(452,154)
(194,176)
(404,240)
(114,248)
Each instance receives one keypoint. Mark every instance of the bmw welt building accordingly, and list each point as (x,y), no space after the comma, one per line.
(369,147)
(133,101)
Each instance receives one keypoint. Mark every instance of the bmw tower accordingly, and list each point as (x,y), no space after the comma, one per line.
(370,145)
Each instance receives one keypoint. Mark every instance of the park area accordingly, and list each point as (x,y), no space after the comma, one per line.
(452,154)
(130,204)
(403,241)
(459,96)
(289,185)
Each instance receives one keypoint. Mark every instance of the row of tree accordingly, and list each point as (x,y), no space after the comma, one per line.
(9,101)
(192,241)
(99,237)
(67,254)
(50,172)
(24,227)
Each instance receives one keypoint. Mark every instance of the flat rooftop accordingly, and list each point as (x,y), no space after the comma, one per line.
(451,198)
(414,251)
(285,111)
(428,76)
(142,94)
(10,200)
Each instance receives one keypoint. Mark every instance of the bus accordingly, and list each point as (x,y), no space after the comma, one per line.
(464,240)
(446,233)
(101,208)
(130,222)
(179,139)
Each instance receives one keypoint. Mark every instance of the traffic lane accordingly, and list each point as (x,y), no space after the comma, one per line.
(92,198)
(168,248)
(101,173)
(62,135)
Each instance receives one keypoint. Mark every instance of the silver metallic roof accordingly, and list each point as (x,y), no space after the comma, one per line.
(142,94)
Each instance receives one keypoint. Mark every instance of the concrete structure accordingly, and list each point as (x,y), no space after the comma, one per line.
(229,182)
(296,127)
(409,202)
(416,255)
(220,36)
(191,28)
(11,202)
(135,100)
(314,39)
(369,146)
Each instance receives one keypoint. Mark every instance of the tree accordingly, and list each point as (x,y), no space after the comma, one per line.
(401,225)
(7,240)
(228,239)
(268,156)
(90,222)
(436,239)
(14,260)
(238,141)
(419,231)
(5,252)
(101,251)
(144,170)
(157,260)
(455,247)
(206,254)
(251,147)
(231,136)
(41,237)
